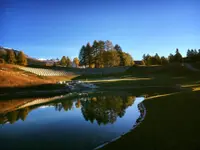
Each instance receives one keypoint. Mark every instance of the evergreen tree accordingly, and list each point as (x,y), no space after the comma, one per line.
(164,61)
(82,56)
(89,54)
(153,60)
(68,62)
(157,59)
(97,56)
(100,54)
(171,58)
(188,53)
(118,48)
(21,59)
(195,58)
(148,60)
(121,55)
(178,56)
(95,47)
(11,57)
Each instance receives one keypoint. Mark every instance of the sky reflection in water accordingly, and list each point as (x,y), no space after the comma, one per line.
(82,123)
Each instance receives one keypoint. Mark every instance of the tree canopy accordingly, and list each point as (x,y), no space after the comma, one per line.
(104,54)
(11,59)
(63,61)
(21,59)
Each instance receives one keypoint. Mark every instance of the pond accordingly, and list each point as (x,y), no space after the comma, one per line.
(77,123)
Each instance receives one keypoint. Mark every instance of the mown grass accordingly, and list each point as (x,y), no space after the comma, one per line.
(169,75)
(171,123)
(172,120)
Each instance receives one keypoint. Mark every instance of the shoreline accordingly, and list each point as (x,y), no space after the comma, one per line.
(142,110)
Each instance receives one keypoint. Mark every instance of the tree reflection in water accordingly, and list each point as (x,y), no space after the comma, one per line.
(13,116)
(103,109)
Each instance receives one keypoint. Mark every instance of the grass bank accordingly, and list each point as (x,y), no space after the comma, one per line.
(171,123)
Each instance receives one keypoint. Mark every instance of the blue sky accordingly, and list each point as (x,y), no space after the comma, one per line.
(51,29)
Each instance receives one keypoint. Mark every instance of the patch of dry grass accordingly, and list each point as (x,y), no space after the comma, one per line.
(11,76)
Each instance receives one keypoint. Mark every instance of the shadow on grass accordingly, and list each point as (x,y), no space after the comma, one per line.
(7,93)
(172,122)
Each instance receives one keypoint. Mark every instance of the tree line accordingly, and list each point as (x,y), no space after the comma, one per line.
(193,55)
(12,57)
(157,60)
(67,62)
(103,54)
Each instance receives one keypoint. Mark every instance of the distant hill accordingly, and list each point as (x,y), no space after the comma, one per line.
(31,61)
(3,52)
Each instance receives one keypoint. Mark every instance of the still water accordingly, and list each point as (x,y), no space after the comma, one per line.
(71,124)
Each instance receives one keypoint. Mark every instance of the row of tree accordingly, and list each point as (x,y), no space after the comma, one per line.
(157,60)
(104,54)
(66,61)
(193,55)
(103,109)
(14,58)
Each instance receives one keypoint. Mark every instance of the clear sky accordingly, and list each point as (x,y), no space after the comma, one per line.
(51,29)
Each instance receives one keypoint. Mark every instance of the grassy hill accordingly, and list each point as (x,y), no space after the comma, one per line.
(31,61)
(11,76)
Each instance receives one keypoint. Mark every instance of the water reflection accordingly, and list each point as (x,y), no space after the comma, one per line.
(102,109)
(12,117)
(61,124)
(105,109)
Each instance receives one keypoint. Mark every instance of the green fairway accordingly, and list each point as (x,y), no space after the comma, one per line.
(146,76)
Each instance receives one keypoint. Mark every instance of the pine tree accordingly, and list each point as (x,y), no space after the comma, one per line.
(95,47)
(68,62)
(82,56)
(101,53)
(157,59)
(164,61)
(178,56)
(89,55)
(147,59)
(171,58)
(21,59)
(121,55)
(188,53)
(118,48)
